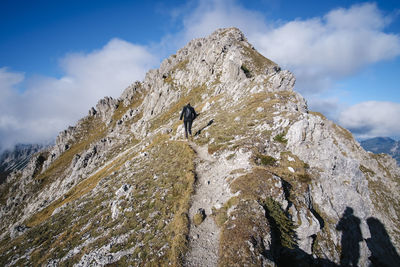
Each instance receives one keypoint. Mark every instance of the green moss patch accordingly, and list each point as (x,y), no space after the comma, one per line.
(280,138)
(265,160)
(279,219)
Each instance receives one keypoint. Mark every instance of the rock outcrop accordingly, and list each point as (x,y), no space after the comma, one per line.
(278,184)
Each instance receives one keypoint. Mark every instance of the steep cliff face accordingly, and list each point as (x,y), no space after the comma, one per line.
(262,182)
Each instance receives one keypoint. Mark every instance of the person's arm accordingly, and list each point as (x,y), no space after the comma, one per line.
(183,110)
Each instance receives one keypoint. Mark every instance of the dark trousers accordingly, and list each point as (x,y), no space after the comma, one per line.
(188,127)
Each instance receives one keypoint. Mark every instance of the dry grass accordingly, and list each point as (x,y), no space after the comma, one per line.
(253,185)
(241,240)
(346,134)
(175,159)
(198,219)
(181,65)
(259,61)
(221,215)
(265,160)
(366,171)
(250,225)
(55,237)
(301,176)
(225,128)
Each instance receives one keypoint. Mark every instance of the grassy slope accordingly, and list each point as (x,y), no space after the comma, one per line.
(166,198)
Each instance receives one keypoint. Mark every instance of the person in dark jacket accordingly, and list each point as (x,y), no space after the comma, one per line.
(188,114)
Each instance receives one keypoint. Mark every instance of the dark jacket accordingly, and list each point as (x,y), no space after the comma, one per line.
(188,113)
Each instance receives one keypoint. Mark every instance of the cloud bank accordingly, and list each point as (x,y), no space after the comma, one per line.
(372,118)
(48,105)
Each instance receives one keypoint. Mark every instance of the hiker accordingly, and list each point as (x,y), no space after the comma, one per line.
(189,114)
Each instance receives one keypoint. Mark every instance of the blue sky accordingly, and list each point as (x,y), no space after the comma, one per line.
(57,58)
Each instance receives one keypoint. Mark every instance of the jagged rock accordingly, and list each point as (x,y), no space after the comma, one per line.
(92,111)
(106,107)
(129,93)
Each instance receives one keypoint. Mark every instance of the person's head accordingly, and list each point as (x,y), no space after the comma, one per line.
(188,103)
(348,212)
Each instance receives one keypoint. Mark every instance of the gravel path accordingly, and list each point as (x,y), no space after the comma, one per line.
(211,190)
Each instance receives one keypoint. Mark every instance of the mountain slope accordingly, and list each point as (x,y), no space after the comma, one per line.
(279,184)
(383,145)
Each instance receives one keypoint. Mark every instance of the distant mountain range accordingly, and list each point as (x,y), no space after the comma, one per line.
(383,145)
(16,159)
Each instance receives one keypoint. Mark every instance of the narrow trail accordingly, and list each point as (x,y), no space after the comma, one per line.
(211,190)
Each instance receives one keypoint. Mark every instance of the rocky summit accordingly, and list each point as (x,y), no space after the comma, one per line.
(263,181)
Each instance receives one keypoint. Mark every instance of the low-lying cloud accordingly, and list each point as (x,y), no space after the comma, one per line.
(372,118)
(48,105)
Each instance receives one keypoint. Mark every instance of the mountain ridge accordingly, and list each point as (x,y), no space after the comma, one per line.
(120,186)
(383,145)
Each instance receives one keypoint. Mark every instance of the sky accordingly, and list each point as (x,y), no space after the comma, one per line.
(58,58)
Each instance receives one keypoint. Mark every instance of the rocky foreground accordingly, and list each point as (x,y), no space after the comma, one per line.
(263,182)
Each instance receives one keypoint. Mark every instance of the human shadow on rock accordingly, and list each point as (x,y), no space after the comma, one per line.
(383,253)
(349,225)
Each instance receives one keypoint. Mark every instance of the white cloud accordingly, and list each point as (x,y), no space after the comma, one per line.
(324,49)
(327,106)
(49,105)
(372,118)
